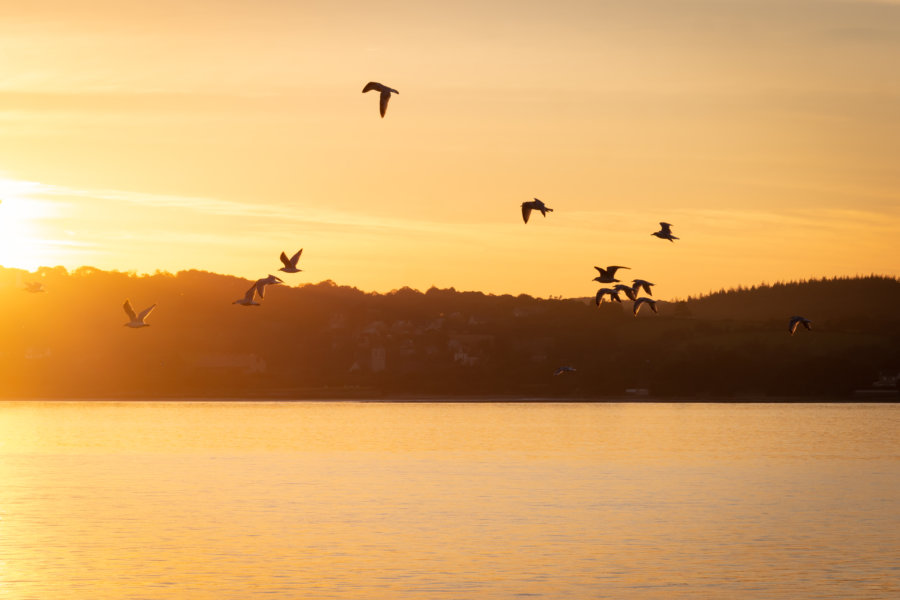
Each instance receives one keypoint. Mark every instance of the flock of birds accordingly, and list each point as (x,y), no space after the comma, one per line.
(257,290)
(607,275)
(259,286)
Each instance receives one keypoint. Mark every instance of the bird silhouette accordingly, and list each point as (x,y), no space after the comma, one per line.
(136,320)
(290,264)
(625,289)
(527,207)
(247,300)
(641,283)
(613,296)
(795,321)
(385,94)
(608,275)
(665,232)
(642,301)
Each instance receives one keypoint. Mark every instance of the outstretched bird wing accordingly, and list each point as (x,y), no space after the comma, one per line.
(128,310)
(373,85)
(248,296)
(284,259)
(526,211)
(612,269)
(262,283)
(666,228)
(792,327)
(637,305)
(143,314)
(641,301)
(383,102)
(641,283)
(296,257)
(627,290)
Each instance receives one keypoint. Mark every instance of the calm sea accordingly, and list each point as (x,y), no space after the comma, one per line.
(320,500)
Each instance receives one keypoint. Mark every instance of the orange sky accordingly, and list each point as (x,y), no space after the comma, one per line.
(215,134)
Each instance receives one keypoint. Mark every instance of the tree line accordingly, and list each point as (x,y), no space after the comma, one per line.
(327,340)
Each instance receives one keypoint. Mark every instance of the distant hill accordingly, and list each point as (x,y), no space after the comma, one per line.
(839,298)
(326,340)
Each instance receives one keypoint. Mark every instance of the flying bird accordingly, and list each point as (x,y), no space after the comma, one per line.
(627,290)
(640,283)
(385,94)
(527,207)
(247,300)
(665,232)
(613,296)
(795,321)
(136,320)
(608,275)
(642,301)
(563,370)
(34,287)
(290,264)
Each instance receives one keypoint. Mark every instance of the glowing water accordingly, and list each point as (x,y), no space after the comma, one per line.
(375,500)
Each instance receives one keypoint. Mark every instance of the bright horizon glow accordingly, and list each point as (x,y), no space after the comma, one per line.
(59,213)
(166,139)
(22,244)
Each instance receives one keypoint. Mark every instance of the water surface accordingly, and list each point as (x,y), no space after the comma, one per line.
(378,500)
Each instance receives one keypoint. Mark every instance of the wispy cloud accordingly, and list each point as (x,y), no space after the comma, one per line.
(277,215)
(283,216)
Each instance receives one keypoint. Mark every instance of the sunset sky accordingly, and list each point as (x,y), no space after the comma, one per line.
(213,134)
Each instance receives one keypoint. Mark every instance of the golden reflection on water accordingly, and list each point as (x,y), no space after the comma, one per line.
(378,500)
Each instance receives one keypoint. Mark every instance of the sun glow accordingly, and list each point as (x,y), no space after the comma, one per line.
(21,243)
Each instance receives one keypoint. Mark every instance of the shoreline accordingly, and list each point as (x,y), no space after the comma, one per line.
(883,398)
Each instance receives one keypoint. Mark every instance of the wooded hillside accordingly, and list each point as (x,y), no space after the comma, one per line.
(323,340)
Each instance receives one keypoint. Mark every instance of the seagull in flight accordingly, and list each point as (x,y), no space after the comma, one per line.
(795,321)
(641,283)
(665,232)
(613,296)
(608,275)
(527,207)
(247,300)
(642,301)
(136,320)
(627,290)
(34,287)
(385,94)
(290,264)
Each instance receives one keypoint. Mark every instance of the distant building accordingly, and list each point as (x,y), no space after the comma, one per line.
(465,359)
(469,348)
